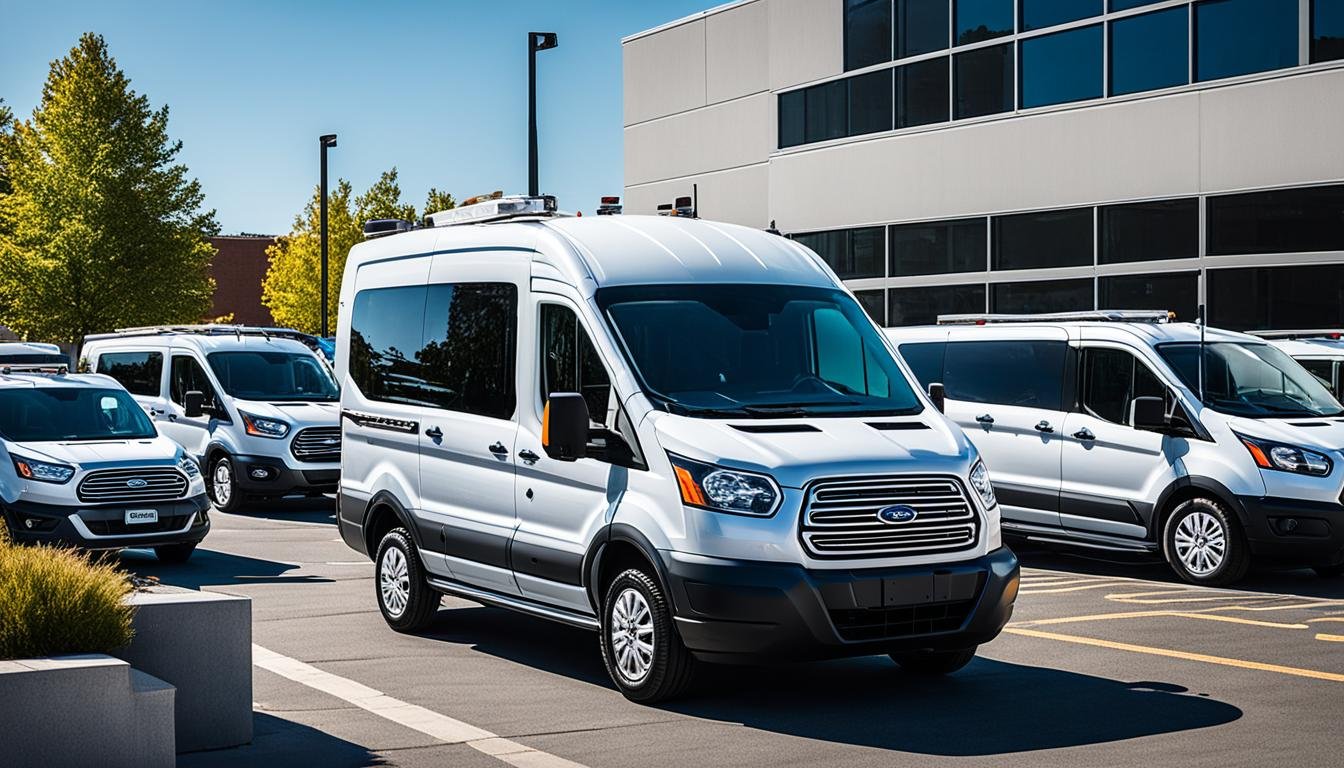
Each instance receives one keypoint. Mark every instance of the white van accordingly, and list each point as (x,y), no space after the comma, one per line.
(1095,428)
(83,466)
(684,435)
(257,408)
(1320,352)
(32,353)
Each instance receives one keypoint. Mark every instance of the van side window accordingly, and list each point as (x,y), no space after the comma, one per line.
(1324,370)
(1111,379)
(386,338)
(925,360)
(570,363)
(187,375)
(139,372)
(841,358)
(1023,373)
(470,347)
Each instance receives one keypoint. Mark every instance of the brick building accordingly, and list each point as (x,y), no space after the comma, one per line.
(238,269)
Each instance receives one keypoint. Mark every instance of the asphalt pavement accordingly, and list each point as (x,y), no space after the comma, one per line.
(1108,661)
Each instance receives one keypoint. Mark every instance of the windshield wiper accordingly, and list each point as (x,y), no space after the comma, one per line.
(692,410)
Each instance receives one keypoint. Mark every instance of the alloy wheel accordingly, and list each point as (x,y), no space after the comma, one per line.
(1201,543)
(632,638)
(394,582)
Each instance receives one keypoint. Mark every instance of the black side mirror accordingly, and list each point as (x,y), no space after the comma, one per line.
(193,404)
(1149,414)
(938,394)
(564,426)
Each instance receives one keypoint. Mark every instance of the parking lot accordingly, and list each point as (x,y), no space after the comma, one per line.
(1107,661)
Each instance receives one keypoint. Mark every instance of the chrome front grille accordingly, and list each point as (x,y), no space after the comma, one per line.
(317,444)
(133,485)
(840,517)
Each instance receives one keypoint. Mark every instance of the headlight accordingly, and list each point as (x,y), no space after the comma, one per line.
(188,466)
(725,490)
(1287,458)
(980,482)
(31,469)
(260,426)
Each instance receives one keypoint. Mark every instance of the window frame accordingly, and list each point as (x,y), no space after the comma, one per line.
(213,403)
(541,301)
(150,353)
(1084,351)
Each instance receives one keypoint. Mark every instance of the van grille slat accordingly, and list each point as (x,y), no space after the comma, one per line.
(840,517)
(316,444)
(109,486)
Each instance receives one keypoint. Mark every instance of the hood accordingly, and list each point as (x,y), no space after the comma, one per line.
(91,454)
(298,413)
(796,451)
(1321,433)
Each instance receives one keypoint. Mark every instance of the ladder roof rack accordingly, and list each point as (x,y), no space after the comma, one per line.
(1323,334)
(206,329)
(1100,315)
(12,368)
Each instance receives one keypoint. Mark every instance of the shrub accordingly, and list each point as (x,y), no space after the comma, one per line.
(58,601)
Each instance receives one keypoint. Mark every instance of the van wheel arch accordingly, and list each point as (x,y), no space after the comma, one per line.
(1188,488)
(382,514)
(623,548)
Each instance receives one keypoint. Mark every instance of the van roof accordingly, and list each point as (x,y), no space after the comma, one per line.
(1311,347)
(36,380)
(1147,333)
(595,252)
(206,343)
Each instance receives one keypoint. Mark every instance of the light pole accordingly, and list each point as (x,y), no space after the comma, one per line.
(325,141)
(536,41)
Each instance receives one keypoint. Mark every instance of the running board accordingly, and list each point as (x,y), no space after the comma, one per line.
(519,604)
(1052,536)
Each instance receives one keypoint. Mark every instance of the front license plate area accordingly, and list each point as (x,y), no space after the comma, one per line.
(141,516)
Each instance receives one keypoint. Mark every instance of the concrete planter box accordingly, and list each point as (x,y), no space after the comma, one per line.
(200,643)
(88,710)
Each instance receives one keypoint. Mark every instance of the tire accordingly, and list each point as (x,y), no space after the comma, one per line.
(405,599)
(222,483)
(175,553)
(933,663)
(1204,544)
(1329,571)
(636,608)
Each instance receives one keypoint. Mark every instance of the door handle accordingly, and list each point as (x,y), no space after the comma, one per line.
(1044,426)
(434,433)
(528,456)
(985,418)
(1084,434)
(499,450)
(156,411)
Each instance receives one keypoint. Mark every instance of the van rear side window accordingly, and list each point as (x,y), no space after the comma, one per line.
(925,360)
(1024,373)
(139,372)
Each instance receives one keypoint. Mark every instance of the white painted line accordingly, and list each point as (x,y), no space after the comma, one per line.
(417,718)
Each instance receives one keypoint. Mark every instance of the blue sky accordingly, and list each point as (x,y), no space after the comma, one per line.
(438,89)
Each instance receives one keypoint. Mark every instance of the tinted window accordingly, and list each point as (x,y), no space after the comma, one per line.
(827,111)
(1327,30)
(852,253)
(1062,67)
(1037,14)
(925,360)
(791,118)
(870,103)
(1177,292)
(1111,379)
(867,32)
(921,27)
(982,19)
(874,303)
(188,376)
(921,93)
(1261,298)
(1237,37)
(1162,229)
(1023,373)
(1043,239)
(386,338)
(570,363)
(139,372)
(1253,380)
(842,361)
(1282,221)
(470,347)
(1042,296)
(271,376)
(1323,370)
(922,306)
(984,81)
(45,414)
(1150,51)
(937,247)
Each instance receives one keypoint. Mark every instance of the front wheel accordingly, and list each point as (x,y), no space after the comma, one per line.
(175,553)
(640,646)
(406,600)
(223,485)
(934,663)
(1204,545)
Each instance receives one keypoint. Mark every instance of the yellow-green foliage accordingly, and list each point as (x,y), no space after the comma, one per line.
(57,601)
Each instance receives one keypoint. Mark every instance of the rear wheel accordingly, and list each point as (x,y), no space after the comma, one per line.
(175,553)
(934,663)
(640,646)
(406,600)
(223,485)
(1203,543)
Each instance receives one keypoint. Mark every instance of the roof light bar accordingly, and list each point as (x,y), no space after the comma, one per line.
(1100,315)
(57,370)
(1327,334)
(384,227)
(497,209)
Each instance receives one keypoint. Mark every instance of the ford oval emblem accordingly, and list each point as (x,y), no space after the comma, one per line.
(897,514)
(136,482)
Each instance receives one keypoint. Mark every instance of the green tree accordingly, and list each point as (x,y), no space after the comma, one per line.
(438,201)
(6,121)
(102,227)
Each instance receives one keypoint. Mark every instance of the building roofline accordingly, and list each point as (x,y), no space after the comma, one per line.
(685,20)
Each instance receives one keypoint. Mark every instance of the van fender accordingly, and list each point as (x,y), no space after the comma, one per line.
(1207,485)
(628,534)
(389,500)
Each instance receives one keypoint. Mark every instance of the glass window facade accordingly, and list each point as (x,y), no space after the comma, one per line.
(1258,298)
(1279,221)
(1038,14)
(1124,5)
(869,103)
(1042,296)
(874,303)
(921,27)
(867,33)
(1150,231)
(1178,292)
(853,253)
(791,111)
(1327,30)
(1150,51)
(923,305)
(1042,239)
(938,246)
(1238,37)
(978,20)
(827,111)
(984,81)
(1063,67)
(921,93)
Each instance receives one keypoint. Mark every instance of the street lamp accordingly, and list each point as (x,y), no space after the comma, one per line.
(536,41)
(325,141)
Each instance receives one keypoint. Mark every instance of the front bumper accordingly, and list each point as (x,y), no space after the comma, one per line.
(103,527)
(1293,531)
(729,610)
(270,476)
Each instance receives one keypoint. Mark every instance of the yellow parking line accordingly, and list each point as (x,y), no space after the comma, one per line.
(1235,620)
(1153,614)
(1330,638)
(1151,601)
(1326,618)
(1184,655)
(1050,591)
(1033,583)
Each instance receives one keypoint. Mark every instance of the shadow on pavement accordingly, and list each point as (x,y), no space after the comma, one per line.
(277,743)
(991,707)
(208,566)
(320,509)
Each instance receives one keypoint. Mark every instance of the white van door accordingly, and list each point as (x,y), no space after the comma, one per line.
(475,305)
(186,373)
(1112,473)
(141,371)
(1006,393)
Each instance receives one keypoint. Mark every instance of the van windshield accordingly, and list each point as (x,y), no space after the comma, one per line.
(256,375)
(1253,380)
(48,414)
(756,350)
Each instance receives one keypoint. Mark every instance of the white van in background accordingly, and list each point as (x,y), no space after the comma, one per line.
(1320,352)
(684,435)
(257,409)
(1095,429)
(32,353)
